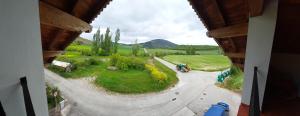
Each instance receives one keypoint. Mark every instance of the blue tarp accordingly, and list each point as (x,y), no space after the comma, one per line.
(219,109)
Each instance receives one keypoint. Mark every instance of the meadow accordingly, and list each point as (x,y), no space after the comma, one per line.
(201,62)
(132,80)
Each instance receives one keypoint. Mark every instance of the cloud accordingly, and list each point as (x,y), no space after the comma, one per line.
(173,20)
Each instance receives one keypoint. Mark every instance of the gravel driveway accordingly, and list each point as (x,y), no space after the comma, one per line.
(193,94)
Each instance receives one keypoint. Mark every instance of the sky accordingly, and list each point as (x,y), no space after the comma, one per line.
(173,20)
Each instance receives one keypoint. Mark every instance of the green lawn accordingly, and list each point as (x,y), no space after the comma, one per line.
(201,62)
(182,52)
(135,81)
(126,50)
(169,51)
(130,81)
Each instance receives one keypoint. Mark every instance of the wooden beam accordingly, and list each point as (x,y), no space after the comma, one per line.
(232,44)
(256,7)
(48,54)
(229,31)
(235,55)
(54,17)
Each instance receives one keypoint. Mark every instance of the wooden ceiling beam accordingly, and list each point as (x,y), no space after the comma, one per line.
(235,55)
(48,54)
(229,31)
(219,14)
(256,7)
(52,16)
(232,44)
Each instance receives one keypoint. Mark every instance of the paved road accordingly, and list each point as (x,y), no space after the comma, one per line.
(194,93)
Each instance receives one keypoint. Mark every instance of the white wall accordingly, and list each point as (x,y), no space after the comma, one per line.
(258,51)
(21,55)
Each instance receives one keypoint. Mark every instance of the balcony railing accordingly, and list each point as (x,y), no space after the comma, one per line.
(27,98)
(254,103)
(2,113)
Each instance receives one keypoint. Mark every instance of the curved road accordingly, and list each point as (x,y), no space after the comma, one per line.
(193,94)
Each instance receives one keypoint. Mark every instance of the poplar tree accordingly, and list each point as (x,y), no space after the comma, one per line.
(96,42)
(107,44)
(135,48)
(117,38)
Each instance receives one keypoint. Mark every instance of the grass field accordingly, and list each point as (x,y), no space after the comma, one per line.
(140,81)
(129,81)
(135,81)
(126,50)
(201,62)
(181,52)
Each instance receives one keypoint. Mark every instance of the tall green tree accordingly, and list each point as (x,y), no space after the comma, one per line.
(190,50)
(135,48)
(107,43)
(102,42)
(117,38)
(96,43)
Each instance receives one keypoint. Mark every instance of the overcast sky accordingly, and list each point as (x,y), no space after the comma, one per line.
(145,20)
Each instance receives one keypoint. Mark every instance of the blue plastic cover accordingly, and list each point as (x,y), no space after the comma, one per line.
(217,109)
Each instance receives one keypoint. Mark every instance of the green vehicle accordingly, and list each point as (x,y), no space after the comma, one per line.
(183,67)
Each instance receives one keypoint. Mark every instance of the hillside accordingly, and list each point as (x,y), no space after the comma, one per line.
(82,41)
(159,43)
(198,47)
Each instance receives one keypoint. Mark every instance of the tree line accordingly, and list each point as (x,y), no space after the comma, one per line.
(104,41)
(103,45)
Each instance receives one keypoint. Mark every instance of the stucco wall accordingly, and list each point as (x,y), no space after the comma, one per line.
(258,51)
(21,55)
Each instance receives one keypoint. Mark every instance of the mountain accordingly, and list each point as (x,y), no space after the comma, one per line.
(159,43)
(82,41)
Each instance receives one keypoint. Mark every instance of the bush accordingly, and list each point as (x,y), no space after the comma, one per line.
(145,54)
(125,63)
(135,63)
(65,59)
(114,59)
(53,99)
(235,80)
(160,54)
(122,63)
(91,61)
(156,74)
(103,53)
(84,50)
(55,68)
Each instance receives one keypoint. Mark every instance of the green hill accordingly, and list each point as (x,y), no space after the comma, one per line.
(82,41)
(159,43)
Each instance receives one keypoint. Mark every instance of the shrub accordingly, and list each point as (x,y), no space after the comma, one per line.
(160,54)
(122,63)
(125,63)
(145,54)
(55,68)
(149,67)
(53,99)
(114,59)
(65,59)
(235,80)
(156,74)
(91,61)
(86,52)
(135,63)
